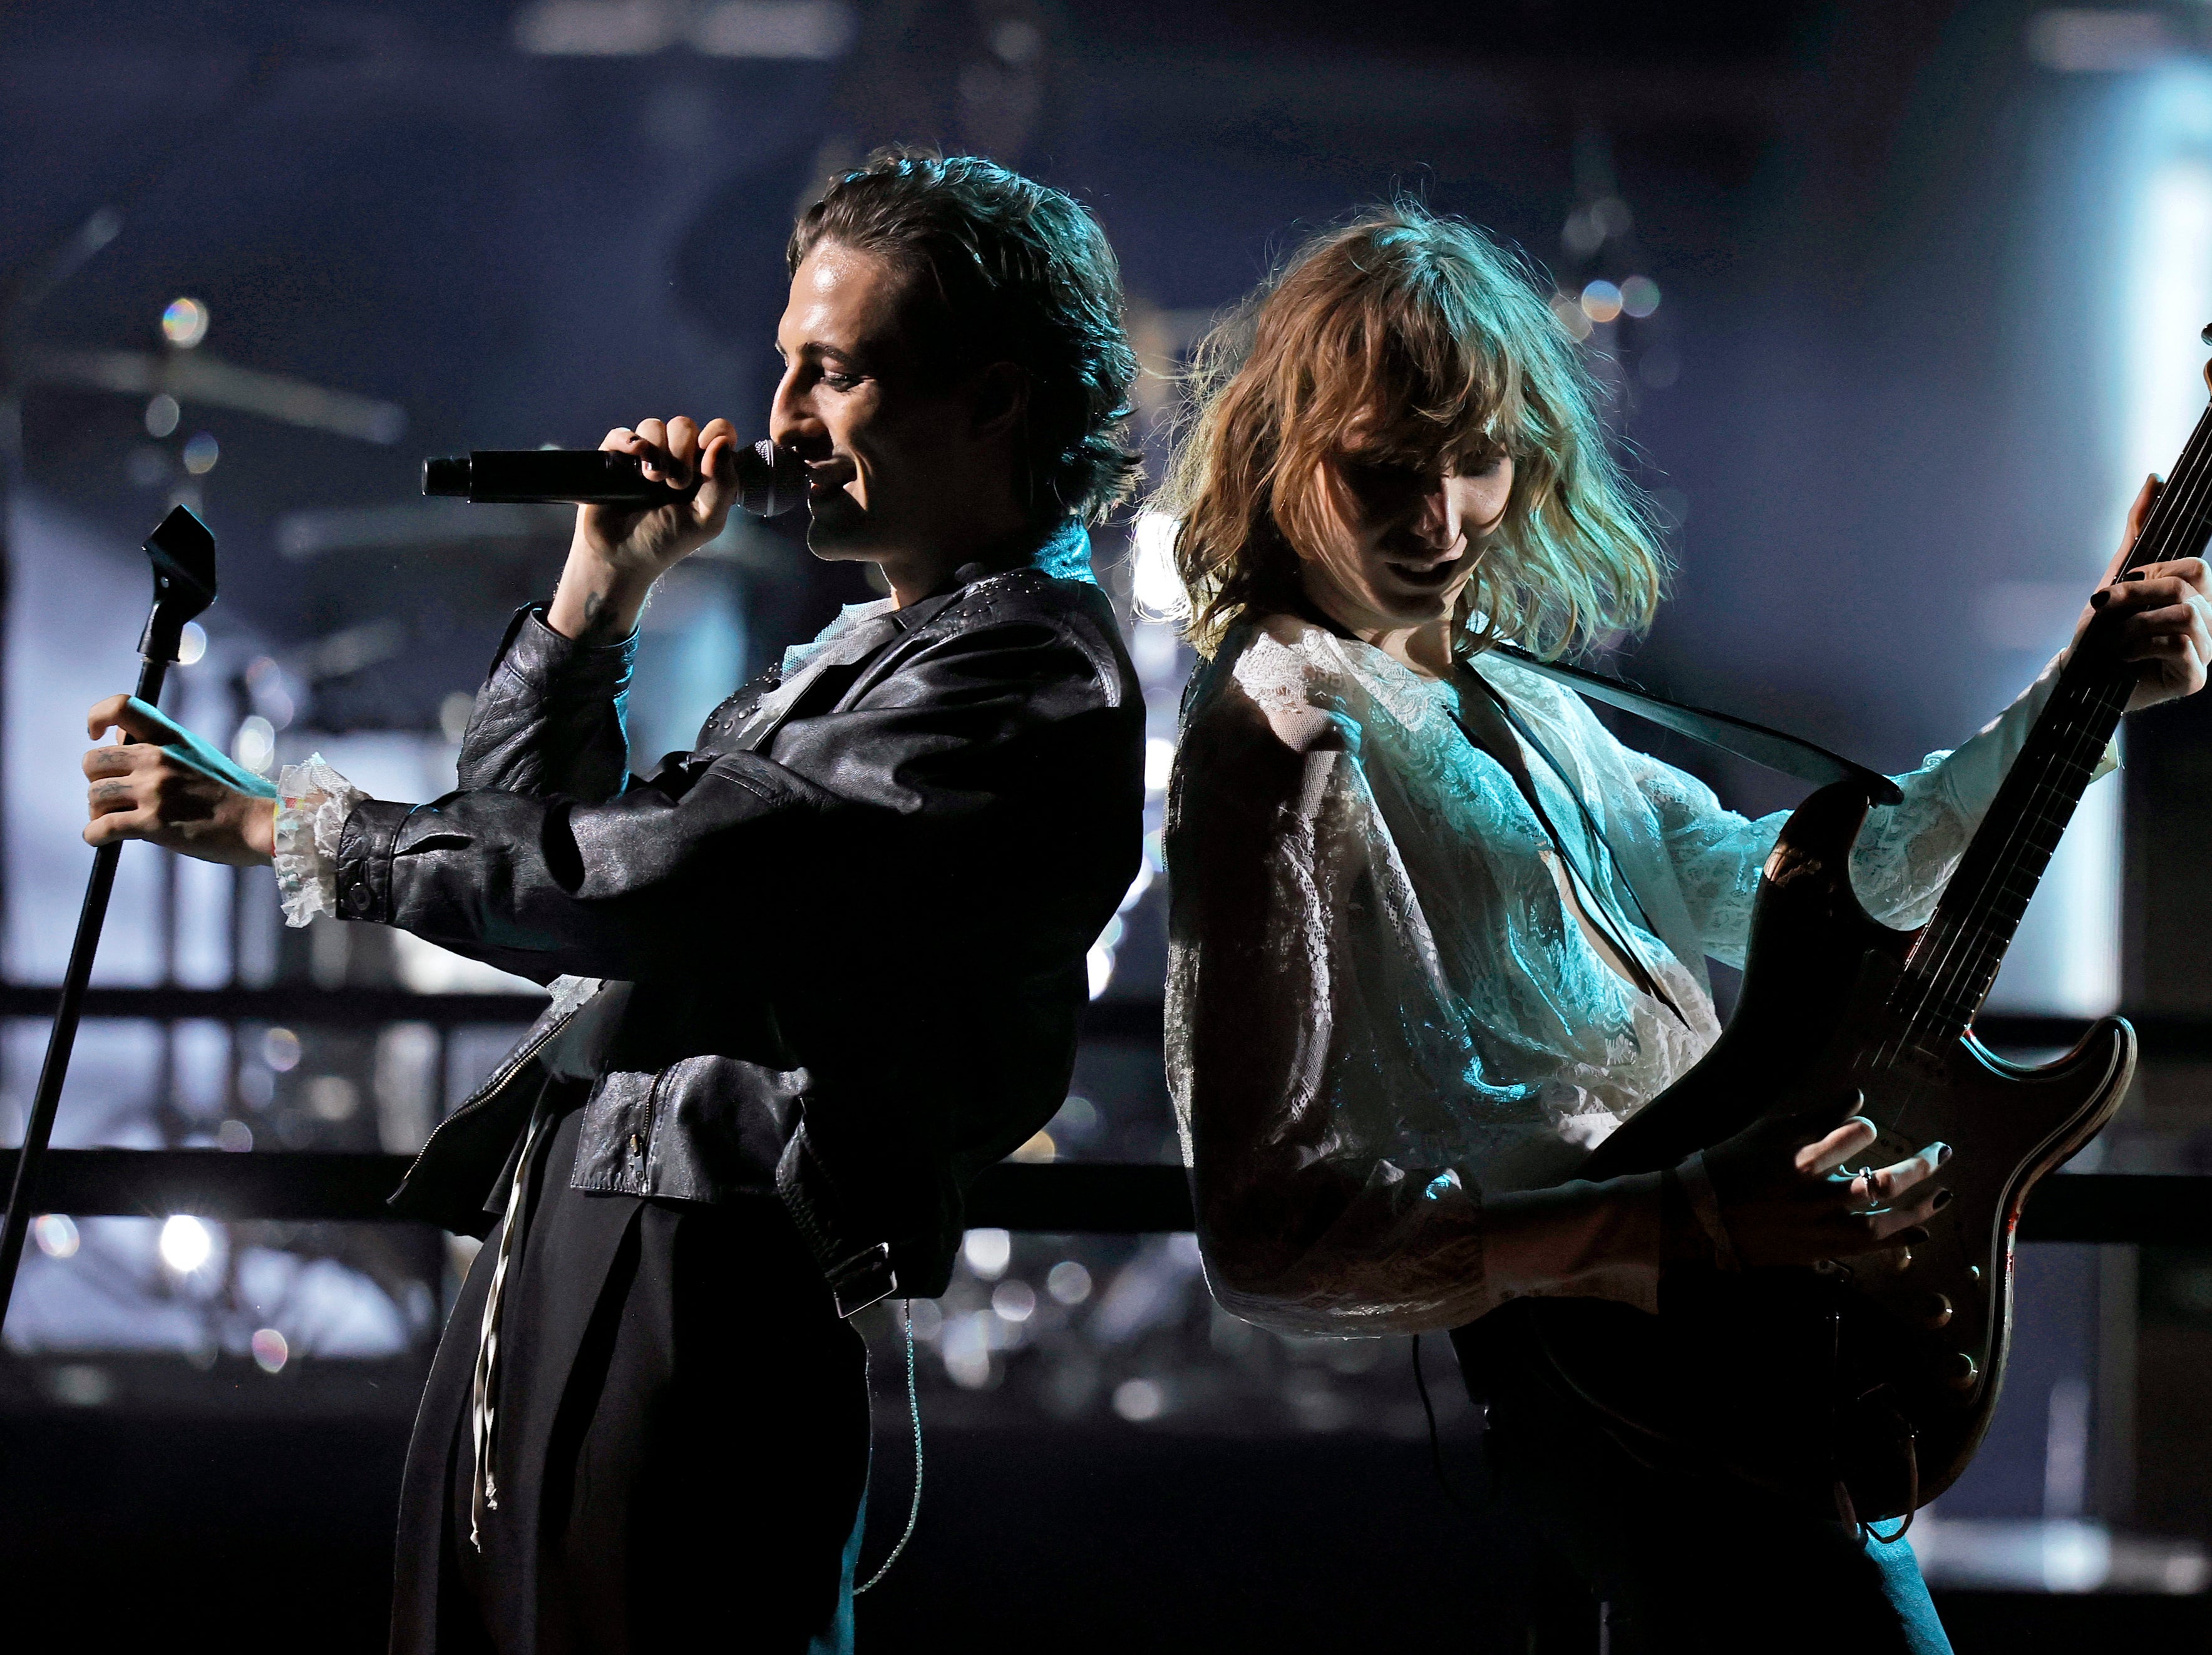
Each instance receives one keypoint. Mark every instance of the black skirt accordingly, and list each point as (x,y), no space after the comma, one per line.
(682,1444)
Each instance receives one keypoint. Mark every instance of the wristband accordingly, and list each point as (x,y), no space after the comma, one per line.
(1705,1206)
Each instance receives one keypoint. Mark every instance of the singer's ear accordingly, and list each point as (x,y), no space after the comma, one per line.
(1002,398)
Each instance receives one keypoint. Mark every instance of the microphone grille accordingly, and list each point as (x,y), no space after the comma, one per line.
(771,481)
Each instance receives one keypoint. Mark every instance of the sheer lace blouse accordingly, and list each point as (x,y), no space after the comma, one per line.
(1389,1041)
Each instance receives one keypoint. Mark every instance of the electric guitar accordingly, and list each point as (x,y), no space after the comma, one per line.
(1864,1386)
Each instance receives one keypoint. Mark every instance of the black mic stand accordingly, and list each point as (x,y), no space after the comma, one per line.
(183,554)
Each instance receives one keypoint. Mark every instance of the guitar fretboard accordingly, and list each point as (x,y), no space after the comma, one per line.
(1953,964)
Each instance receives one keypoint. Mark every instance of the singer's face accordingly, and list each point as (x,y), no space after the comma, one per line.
(897,460)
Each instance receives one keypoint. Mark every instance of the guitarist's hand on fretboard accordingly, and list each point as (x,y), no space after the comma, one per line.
(2157,617)
(1784,1201)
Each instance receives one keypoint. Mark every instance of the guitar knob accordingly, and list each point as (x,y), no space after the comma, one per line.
(1935,1310)
(1958,1371)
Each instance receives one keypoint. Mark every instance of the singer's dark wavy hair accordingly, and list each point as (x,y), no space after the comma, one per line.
(1024,276)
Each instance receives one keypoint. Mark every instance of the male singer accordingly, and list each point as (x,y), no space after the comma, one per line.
(813,975)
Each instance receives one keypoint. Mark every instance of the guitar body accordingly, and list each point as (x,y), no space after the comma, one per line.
(1862,1387)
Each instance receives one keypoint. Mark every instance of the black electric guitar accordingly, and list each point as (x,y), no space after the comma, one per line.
(1864,1386)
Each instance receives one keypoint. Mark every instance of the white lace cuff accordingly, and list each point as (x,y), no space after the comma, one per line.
(315,804)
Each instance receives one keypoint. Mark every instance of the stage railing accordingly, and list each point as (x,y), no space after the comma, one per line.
(1067,1197)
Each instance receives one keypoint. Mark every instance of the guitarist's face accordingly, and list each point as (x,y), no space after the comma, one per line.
(1400,539)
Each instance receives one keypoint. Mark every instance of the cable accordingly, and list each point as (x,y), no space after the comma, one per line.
(1436,1442)
(914,1413)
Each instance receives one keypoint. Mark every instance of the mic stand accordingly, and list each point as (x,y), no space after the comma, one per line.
(183,554)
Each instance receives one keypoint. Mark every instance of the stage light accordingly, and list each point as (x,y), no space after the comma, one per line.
(192,645)
(1568,310)
(185,323)
(233,1136)
(1639,296)
(270,1350)
(162,413)
(186,1244)
(56,1234)
(1601,301)
(1139,1400)
(987,1252)
(1068,1282)
(1013,1301)
(201,453)
(1152,579)
(1159,764)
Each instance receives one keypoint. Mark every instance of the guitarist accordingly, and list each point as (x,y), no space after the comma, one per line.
(1436,932)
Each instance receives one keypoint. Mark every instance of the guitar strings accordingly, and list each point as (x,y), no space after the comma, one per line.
(1969,925)
(2079,713)
(1972,935)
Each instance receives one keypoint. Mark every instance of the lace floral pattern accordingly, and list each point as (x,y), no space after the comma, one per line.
(315,802)
(1389,1041)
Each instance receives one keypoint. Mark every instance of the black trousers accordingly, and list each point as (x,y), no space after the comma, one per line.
(682,1442)
(1688,1565)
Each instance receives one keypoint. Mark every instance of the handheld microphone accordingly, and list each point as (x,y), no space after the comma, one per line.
(771,481)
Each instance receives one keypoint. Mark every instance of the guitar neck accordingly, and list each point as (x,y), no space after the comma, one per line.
(1951,966)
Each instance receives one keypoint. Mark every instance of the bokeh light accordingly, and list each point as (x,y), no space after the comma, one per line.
(255,747)
(1601,302)
(163,413)
(201,453)
(56,1234)
(987,1252)
(280,1050)
(1138,1400)
(271,1350)
(192,645)
(1639,296)
(186,1244)
(185,323)
(1014,1300)
(1068,1282)
(1568,310)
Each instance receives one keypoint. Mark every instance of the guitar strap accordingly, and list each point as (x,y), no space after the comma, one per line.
(1776,749)
(1792,755)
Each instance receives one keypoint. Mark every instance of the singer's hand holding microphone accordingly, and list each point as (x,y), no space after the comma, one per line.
(620,550)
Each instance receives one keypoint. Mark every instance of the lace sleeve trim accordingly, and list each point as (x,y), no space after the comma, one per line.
(311,816)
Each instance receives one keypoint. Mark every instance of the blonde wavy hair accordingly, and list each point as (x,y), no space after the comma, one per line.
(1439,346)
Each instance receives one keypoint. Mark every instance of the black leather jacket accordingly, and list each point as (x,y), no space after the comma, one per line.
(842,943)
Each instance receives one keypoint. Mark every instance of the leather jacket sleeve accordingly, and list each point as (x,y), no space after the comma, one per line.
(550,718)
(923,790)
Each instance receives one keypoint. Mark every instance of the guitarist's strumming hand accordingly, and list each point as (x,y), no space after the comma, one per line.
(1783,1202)
(2158,618)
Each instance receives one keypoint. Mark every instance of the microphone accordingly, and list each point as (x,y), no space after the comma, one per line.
(771,481)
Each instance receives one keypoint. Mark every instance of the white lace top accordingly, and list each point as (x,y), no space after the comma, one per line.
(1389,1041)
